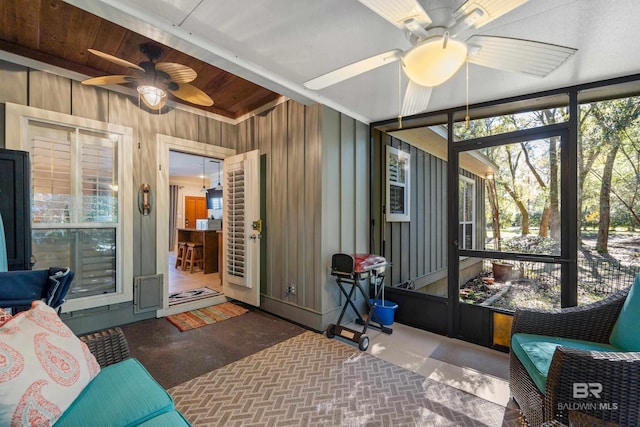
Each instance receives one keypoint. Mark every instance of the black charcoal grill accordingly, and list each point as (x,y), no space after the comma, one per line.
(351,270)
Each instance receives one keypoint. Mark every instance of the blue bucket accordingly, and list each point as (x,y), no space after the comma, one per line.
(383,314)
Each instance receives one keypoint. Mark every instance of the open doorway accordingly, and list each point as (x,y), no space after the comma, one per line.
(195,212)
(165,261)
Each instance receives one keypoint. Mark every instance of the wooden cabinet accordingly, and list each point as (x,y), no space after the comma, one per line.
(15,207)
(194,208)
(209,240)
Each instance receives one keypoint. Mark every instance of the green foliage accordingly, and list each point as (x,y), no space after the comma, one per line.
(527,176)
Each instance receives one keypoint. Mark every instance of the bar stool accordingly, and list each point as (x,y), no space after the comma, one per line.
(193,256)
(182,250)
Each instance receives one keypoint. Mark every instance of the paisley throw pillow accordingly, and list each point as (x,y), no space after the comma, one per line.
(43,367)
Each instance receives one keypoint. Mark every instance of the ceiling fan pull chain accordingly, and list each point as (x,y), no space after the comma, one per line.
(445,39)
(400,94)
(466,119)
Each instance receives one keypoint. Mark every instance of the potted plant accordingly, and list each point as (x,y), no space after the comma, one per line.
(502,271)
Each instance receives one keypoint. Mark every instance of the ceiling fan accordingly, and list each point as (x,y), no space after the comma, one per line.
(154,79)
(437,53)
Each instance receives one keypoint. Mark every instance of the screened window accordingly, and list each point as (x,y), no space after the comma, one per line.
(397,185)
(608,197)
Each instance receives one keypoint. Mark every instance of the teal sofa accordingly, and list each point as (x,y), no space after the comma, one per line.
(123,393)
(579,361)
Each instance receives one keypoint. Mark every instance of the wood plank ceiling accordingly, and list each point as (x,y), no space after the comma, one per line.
(59,34)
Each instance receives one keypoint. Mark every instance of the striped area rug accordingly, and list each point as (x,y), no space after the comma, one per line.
(205,316)
(191,295)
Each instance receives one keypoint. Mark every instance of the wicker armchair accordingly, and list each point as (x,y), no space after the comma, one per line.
(618,372)
(108,346)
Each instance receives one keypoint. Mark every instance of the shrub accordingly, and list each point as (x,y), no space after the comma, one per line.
(531,244)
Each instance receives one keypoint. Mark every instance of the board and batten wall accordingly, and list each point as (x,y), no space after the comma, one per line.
(316,179)
(417,249)
(315,182)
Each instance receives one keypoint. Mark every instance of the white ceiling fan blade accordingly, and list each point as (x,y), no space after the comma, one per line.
(488,11)
(352,70)
(523,56)
(398,12)
(416,99)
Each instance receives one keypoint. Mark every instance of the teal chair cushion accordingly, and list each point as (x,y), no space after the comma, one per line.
(536,351)
(626,331)
(121,395)
(168,419)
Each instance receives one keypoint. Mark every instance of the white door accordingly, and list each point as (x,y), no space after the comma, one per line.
(242,226)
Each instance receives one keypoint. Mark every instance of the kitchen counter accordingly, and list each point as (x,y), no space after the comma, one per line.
(210,245)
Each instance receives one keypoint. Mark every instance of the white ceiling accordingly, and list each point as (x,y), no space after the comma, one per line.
(183,164)
(280,44)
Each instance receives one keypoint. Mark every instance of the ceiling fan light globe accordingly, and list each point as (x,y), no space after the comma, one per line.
(152,96)
(430,64)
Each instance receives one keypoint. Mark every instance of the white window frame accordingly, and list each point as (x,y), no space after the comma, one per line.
(473,213)
(17,126)
(404,216)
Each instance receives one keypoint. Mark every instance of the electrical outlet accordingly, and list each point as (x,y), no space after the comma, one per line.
(291,290)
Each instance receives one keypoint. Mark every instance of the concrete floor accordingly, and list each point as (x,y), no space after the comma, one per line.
(173,357)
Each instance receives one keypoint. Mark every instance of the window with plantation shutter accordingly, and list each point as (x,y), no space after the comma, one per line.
(75,205)
(467,206)
(82,200)
(397,185)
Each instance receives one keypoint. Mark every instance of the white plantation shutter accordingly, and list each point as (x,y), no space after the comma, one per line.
(466,215)
(51,177)
(242,227)
(235,224)
(99,199)
(397,185)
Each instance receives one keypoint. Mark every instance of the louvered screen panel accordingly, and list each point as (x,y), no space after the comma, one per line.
(90,253)
(97,262)
(235,224)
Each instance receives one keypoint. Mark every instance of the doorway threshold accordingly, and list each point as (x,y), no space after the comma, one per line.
(193,305)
